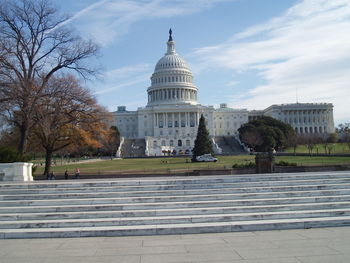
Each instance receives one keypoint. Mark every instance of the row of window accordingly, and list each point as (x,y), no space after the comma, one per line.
(166,65)
(172,79)
(304,119)
(220,125)
(227,118)
(299,112)
(172,94)
(311,129)
(171,143)
(133,119)
(176,124)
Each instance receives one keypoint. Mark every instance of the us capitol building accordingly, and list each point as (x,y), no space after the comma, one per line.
(169,122)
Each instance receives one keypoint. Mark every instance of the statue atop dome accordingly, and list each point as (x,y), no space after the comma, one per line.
(170,35)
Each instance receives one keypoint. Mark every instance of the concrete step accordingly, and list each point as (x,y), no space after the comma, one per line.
(173,212)
(164,229)
(175,198)
(267,186)
(104,194)
(171,205)
(174,205)
(182,219)
(179,181)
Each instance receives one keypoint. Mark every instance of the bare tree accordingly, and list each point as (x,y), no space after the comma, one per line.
(35,43)
(343,131)
(66,114)
(347,138)
(293,141)
(310,142)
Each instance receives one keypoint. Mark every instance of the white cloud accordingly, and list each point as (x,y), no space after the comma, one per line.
(121,85)
(305,49)
(106,21)
(128,71)
(123,77)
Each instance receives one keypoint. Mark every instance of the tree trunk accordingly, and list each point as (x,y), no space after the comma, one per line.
(23,138)
(48,158)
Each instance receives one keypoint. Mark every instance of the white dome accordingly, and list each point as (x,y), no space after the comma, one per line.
(171,61)
(172,80)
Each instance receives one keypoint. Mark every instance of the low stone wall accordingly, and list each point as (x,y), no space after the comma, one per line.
(21,172)
(299,169)
(277,169)
(223,171)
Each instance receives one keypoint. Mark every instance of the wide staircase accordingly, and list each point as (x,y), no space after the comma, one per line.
(228,145)
(133,148)
(156,206)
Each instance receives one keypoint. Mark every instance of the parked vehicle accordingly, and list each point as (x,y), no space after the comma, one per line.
(206,158)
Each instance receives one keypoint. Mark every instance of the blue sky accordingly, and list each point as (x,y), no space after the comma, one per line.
(247,53)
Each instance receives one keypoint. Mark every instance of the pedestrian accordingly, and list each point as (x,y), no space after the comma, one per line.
(77,173)
(52,176)
(66,175)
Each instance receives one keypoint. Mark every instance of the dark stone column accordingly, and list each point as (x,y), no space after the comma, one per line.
(265,162)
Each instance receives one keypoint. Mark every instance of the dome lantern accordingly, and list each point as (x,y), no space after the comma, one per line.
(171,44)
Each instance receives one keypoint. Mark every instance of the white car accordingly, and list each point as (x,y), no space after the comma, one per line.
(206,158)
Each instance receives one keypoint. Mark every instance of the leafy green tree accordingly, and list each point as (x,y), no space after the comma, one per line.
(272,134)
(8,155)
(203,143)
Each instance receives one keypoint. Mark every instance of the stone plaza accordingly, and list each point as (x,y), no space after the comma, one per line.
(319,245)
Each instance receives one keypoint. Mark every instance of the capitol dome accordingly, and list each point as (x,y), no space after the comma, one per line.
(170,61)
(172,80)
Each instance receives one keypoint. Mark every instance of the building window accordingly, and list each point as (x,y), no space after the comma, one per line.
(154,144)
(183,120)
(179,143)
(163,143)
(171,143)
(188,143)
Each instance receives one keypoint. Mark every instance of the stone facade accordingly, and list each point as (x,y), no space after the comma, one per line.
(170,119)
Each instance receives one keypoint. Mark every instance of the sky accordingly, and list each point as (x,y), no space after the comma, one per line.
(246,53)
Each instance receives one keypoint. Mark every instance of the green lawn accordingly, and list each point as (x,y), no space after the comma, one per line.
(338,148)
(148,165)
(161,165)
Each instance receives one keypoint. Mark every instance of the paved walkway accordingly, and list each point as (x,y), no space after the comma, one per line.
(329,245)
